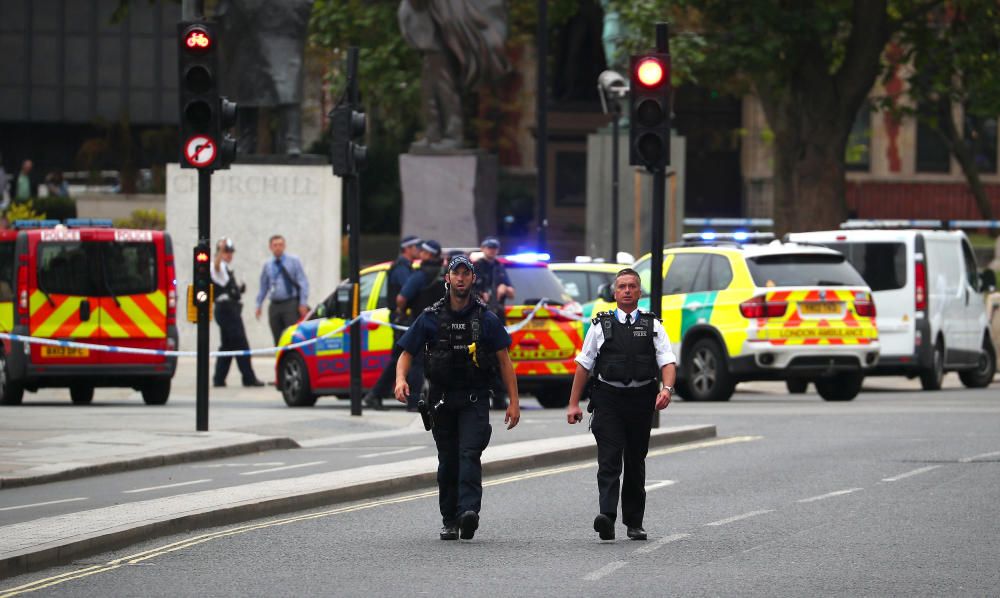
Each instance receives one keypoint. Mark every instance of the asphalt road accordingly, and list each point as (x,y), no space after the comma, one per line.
(895,493)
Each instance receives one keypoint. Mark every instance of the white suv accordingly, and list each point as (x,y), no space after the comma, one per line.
(929,299)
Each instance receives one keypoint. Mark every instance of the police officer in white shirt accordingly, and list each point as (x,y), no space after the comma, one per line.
(228,293)
(636,370)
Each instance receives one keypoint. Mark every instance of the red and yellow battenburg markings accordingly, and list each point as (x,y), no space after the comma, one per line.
(135,316)
(827,329)
(547,350)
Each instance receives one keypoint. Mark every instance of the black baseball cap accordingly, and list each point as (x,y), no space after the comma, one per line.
(431,246)
(460,260)
(410,240)
(490,242)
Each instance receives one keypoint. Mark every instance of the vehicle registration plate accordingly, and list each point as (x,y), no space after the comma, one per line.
(48,351)
(832,307)
(537,324)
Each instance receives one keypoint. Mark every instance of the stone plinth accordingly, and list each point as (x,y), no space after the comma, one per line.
(449,198)
(249,204)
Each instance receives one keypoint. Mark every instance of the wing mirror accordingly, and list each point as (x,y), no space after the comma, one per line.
(987,281)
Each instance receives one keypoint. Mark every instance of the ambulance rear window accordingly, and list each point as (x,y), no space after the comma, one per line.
(803,269)
(97,269)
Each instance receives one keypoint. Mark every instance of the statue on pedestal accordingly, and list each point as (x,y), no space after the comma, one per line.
(462,42)
(263,47)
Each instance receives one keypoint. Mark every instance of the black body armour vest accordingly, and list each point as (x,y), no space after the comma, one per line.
(231,288)
(449,362)
(392,288)
(628,354)
(431,292)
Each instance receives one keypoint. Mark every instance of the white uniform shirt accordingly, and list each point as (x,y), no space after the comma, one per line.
(220,277)
(595,338)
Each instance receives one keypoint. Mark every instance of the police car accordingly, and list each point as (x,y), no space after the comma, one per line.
(747,307)
(542,350)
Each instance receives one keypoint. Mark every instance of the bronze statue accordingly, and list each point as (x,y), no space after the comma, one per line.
(463,44)
(263,45)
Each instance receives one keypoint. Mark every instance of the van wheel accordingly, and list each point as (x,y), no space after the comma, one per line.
(81,394)
(554,396)
(156,393)
(986,367)
(843,387)
(796,386)
(707,373)
(11,393)
(930,379)
(295,382)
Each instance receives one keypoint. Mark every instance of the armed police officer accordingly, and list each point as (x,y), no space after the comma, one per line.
(635,374)
(493,286)
(399,273)
(463,346)
(228,294)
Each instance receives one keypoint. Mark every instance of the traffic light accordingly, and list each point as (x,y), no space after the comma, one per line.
(649,111)
(227,145)
(347,127)
(202,274)
(200,103)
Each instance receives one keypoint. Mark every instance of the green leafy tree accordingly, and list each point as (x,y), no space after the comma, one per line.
(811,63)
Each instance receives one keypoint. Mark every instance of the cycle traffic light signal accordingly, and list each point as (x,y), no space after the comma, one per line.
(204,114)
(202,274)
(649,110)
(347,127)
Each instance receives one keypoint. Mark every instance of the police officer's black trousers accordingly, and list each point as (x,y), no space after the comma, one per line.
(234,338)
(621,425)
(387,379)
(461,431)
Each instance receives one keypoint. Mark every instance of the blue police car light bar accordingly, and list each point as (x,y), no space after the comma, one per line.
(740,235)
(708,236)
(35,223)
(899,223)
(734,237)
(91,222)
(528,257)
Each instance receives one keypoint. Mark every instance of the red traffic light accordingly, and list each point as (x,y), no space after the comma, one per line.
(201,257)
(650,72)
(197,40)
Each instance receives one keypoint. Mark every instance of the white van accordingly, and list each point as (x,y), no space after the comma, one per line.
(929,303)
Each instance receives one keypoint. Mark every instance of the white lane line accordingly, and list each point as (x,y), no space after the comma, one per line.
(177,485)
(217,465)
(917,471)
(42,504)
(739,517)
(394,452)
(660,543)
(983,456)
(286,467)
(659,484)
(605,571)
(829,495)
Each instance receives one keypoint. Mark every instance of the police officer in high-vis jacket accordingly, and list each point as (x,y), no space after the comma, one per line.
(463,346)
(635,375)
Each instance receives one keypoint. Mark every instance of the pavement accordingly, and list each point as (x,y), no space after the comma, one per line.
(48,439)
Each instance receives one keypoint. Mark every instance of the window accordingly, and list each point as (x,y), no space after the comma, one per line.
(532,283)
(7,271)
(882,265)
(932,152)
(576,285)
(981,137)
(367,281)
(97,269)
(720,273)
(803,269)
(859,142)
(971,272)
(571,178)
(682,273)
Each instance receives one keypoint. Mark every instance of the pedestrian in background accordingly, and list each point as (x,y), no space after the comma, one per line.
(463,345)
(228,308)
(494,288)
(284,279)
(4,187)
(24,188)
(399,273)
(56,185)
(635,376)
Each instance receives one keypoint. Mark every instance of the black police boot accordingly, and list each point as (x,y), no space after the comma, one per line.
(372,402)
(449,532)
(468,523)
(636,533)
(604,526)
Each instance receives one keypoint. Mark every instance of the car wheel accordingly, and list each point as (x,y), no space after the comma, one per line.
(707,373)
(156,393)
(295,387)
(842,387)
(554,396)
(986,367)
(11,393)
(81,394)
(797,386)
(931,378)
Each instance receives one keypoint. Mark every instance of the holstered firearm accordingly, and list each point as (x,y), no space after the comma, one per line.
(427,412)
(588,391)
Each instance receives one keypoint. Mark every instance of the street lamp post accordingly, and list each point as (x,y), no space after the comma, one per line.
(612,87)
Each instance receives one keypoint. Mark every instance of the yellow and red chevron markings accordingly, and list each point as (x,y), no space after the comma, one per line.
(135,316)
(836,329)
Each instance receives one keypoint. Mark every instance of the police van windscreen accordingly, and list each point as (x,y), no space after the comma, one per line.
(882,265)
(534,283)
(97,269)
(803,269)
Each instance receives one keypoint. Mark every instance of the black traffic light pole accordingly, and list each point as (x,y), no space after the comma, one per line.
(542,129)
(204,232)
(352,191)
(659,203)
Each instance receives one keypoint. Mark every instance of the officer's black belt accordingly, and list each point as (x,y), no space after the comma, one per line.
(473,394)
(631,390)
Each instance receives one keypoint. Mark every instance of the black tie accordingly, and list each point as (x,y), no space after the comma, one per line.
(628,319)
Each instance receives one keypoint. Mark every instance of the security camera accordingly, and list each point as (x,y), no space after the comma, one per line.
(611,86)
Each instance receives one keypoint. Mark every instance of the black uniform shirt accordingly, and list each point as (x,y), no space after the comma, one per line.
(425,329)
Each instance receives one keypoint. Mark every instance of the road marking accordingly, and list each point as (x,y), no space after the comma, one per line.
(740,517)
(661,543)
(983,456)
(285,468)
(829,495)
(918,471)
(659,484)
(605,570)
(194,541)
(395,452)
(165,486)
(216,465)
(42,504)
